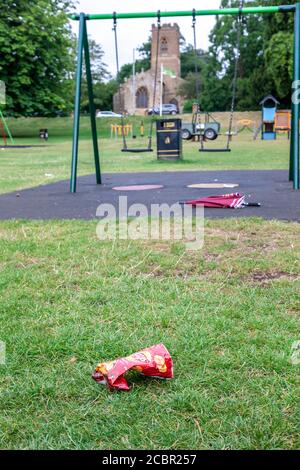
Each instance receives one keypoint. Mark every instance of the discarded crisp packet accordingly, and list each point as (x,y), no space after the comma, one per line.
(151,362)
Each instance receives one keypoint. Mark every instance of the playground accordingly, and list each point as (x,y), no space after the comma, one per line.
(228,312)
(48,162)
(260,171)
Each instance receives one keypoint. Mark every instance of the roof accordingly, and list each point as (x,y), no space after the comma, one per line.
(269,97)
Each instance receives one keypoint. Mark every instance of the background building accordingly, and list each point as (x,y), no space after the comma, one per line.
(137,92)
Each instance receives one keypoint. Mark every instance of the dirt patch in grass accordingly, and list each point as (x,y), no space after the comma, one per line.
(294,310)
(184,272)
(265,277)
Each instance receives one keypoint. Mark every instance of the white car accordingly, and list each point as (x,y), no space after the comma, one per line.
(107,114)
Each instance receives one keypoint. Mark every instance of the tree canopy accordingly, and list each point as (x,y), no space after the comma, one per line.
(103,85)
(38,52)
(36,60)
(265,60)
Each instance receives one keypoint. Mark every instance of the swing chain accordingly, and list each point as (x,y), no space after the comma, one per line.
(118,79)
(158,18)
(197,83)
(155,79)
(125,147)
(235,73)
(194,18)
(115,20)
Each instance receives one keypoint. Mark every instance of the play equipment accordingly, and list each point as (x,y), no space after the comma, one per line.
(117,130)
(269,107)
(83,45)
(205,129)
(283,121)
(4,130)
(149,147)
(212,185)
(138,187)
(142,129)
(245,125)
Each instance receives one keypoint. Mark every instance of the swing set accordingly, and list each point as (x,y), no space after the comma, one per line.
(83,45)
(209,130)
(123,125)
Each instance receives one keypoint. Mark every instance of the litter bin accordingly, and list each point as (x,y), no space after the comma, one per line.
(169,140)
(44,134)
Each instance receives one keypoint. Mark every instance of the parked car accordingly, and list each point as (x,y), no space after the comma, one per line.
(107,114)
(168,108)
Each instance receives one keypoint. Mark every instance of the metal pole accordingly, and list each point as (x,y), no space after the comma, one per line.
(89,79)
(294,157)
(161,89)
(225,11)
(133,82)
(6,127)
(73,180)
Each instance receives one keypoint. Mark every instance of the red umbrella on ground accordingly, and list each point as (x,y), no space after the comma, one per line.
(222,201)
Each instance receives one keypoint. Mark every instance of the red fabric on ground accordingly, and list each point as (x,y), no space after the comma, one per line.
(222,201)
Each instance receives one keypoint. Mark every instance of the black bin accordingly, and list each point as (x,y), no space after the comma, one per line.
(44,134)
(169,141)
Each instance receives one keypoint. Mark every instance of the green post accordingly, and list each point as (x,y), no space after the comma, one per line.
(6,127)
(294,155)
(91,105)
(77,104)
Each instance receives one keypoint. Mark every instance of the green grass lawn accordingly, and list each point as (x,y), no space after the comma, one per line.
(24,168)
(228,314)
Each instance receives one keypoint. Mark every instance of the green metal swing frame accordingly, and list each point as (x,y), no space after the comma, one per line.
(83,45)
(5,127)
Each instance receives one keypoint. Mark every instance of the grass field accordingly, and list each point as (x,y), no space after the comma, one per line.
(25,168)
(228,313)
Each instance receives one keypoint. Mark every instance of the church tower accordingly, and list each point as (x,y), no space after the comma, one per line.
(168,52)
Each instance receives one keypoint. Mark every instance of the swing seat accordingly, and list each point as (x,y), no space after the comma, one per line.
(137,150)
(214,150)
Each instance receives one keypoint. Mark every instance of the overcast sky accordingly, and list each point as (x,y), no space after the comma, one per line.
(132,33)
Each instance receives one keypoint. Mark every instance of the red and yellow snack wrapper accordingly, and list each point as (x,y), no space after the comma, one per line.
(151,362)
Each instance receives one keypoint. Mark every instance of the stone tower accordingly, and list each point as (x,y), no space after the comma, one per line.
(137,95)
(168,51)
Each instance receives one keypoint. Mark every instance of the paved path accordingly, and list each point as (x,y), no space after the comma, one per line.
(53,201)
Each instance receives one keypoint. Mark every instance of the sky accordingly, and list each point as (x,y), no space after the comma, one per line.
(132,33)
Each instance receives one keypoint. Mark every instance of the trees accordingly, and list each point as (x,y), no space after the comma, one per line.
(98,67)
(36,60)
(104,88)
(103,95)
(142,63)
(251,68)
(188,57)
(265,62)
(278,52)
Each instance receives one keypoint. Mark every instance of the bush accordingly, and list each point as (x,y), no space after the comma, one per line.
(188,106)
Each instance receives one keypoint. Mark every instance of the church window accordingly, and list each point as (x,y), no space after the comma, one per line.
(163,45)
(142,97)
